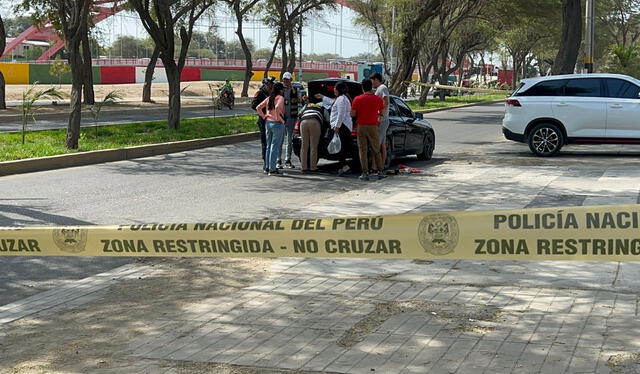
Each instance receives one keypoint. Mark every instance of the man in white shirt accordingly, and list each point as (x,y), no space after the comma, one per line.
(383,92)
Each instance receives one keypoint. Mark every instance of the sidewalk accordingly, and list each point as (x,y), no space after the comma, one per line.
(355,316)
(130,105)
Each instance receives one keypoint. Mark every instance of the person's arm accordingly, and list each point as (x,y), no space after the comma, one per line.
(260,108)
(353,112)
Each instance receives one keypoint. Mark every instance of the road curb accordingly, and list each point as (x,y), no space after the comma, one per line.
(31,165)
(4,118)
(424,111)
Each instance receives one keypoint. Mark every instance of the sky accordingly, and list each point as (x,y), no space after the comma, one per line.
(319,36)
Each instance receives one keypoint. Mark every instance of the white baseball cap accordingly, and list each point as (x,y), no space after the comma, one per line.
(287,75)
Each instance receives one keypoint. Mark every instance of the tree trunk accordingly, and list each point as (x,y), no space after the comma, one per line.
(283,46)
(273,54)
(173,78)
(248,70)
(87,71)
(565,62)
(148,76)
(77,78)
(3,101)
(3,42)
(291,67)
(516,67)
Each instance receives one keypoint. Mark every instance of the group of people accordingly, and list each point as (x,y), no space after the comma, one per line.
(278,106)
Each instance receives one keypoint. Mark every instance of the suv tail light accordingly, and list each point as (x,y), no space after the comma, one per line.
(513,102)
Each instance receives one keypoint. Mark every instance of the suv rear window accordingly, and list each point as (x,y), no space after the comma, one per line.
(585,87)
(546,88)
(622,89)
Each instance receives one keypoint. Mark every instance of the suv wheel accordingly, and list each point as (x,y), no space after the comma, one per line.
(427,147)
(545,140)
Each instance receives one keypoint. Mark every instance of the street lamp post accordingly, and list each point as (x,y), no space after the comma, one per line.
(589,36)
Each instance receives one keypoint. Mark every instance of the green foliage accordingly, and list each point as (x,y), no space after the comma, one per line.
(30,97)
(52,142)
(623,60)
(59,68)
(15,26)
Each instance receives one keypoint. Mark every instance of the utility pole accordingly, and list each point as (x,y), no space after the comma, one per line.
(300,47)
(341,9)
(590,36)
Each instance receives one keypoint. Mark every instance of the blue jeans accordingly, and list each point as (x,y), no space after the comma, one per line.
(275,132)
(288,141)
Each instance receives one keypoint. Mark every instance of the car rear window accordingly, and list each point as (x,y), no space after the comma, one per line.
(622,89)
(326,88)
(584,87)
(546,88)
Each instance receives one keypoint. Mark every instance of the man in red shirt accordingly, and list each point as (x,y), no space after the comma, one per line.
(368,107)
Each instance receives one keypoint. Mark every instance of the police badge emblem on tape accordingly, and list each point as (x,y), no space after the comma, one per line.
(70,239)
(438,234)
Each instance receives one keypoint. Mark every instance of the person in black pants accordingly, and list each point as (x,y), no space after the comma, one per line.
(260,96)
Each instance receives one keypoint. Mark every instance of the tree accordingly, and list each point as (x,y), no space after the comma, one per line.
(71,17)
(376,15)
(59,68)
(410,16)
(15,26)
(623,60)
(262,53)
(127,47)
(620,19)
(3,43)
(565,62)
(161,19)
(240,9)
(285,17)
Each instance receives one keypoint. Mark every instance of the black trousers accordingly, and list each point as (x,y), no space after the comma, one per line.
(345,150)
(263,137)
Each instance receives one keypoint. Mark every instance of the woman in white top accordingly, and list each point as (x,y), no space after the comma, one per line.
(341,121)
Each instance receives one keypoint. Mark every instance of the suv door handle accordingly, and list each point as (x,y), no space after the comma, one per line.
(616,106)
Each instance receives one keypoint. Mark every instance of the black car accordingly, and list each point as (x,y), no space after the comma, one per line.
(408,133)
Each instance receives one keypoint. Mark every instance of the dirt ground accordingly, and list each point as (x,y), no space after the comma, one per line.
(94,338)
(134,91)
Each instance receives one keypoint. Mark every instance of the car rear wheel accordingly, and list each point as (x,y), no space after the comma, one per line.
(545,140)
(428,145)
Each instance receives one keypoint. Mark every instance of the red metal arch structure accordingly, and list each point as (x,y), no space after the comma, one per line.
(101,11)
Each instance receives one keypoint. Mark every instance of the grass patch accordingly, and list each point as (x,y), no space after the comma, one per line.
(51,142)
(452,101)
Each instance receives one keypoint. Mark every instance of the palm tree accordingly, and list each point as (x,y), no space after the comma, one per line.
(29,98)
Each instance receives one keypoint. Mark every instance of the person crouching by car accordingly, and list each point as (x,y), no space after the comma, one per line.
(341,121)
(262,94)
(310,129)
(274,119)
(368,108)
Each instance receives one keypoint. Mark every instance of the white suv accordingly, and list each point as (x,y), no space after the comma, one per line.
(549,112)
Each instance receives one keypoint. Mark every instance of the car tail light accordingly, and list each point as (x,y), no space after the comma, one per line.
(354,132)
(513,102)
(296,128)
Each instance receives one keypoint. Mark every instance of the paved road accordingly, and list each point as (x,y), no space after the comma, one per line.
(555,317)
(144,114)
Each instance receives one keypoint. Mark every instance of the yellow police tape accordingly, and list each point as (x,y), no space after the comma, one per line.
(604,233)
